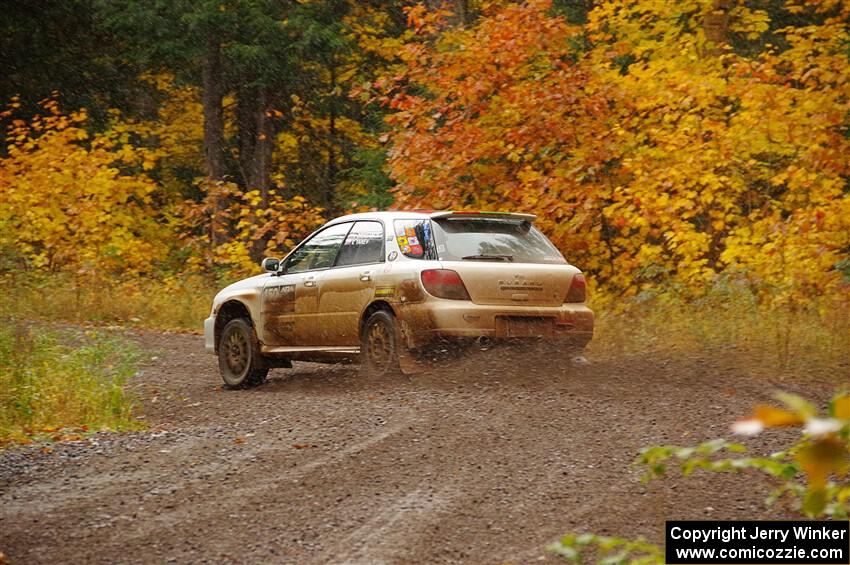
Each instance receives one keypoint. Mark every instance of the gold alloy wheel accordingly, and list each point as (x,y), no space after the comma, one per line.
(237,352)
(379,346)
(239,360)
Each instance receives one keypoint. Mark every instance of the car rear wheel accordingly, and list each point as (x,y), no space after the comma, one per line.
(239,359)
(378,345)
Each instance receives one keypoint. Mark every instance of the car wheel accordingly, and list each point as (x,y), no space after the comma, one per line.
(239,359)
(378,347)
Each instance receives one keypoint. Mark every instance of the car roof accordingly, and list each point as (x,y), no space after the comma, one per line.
(389,215)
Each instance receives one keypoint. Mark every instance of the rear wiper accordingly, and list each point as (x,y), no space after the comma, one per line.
(489,257)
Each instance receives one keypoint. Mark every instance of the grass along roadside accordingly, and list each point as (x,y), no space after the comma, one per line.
(62,383)
(762,341)
(176,303)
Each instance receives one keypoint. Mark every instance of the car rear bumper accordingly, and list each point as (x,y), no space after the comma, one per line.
(209,334)
(571,324)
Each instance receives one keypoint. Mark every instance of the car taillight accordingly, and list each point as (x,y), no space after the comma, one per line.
(444,283)
(578,289)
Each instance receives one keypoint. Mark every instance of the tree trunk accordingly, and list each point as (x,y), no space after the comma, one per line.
(330,180)
(246,131)
(256,140)
(213,112)
(256,133)
(464,12)
(213,96)
(260,172)
(715,24)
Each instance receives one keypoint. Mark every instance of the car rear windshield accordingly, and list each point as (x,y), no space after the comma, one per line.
(493,239)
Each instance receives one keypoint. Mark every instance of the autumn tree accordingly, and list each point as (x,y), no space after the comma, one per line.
(663,145)
(731,156)
(501,116)
(77,202)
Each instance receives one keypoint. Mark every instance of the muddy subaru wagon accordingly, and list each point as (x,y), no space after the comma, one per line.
(383,287)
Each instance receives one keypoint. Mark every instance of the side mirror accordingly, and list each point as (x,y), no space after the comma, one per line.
(270,264)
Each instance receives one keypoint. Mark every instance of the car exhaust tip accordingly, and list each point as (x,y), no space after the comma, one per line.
(484,343)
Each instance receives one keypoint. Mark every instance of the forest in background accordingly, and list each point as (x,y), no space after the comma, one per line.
(691,153)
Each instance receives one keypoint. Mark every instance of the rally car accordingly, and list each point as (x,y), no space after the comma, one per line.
(381,287)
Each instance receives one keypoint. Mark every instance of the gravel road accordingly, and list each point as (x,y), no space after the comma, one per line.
(486,460)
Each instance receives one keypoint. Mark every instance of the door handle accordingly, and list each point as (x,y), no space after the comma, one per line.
(366,276)
(310,281)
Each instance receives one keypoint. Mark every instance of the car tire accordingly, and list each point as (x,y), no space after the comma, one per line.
(379,346)
(239,360)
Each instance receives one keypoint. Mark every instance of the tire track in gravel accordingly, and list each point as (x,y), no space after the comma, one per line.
(264,480)
(379,539)
(424,498)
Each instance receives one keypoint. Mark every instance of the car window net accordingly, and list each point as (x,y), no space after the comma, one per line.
(364,244)
(320,251)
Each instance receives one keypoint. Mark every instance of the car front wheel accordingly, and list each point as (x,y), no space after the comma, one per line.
(378,346)
(239,359)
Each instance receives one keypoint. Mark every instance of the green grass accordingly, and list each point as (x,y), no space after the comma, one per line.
(63,382)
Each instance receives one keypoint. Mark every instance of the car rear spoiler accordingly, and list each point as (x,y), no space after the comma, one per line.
(510,215)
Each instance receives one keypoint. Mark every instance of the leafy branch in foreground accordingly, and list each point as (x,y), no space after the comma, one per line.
(612,550)
(813,471)
(822,451)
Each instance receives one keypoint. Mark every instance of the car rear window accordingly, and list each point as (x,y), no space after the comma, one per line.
(492,239)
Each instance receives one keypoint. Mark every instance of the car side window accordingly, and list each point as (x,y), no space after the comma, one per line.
(415,238)
(319,251)
(364,244)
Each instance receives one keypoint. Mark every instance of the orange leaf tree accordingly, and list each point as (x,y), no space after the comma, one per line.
(662,144)
(501,116)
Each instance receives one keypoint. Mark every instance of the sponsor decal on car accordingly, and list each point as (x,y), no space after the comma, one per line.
(384,291)
(279,299)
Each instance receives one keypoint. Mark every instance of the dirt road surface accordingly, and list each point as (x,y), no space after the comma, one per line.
(482,461)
